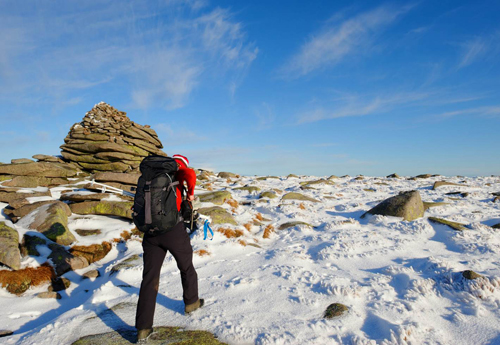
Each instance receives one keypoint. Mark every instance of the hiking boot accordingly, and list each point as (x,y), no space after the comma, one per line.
(193,306)
(143,334)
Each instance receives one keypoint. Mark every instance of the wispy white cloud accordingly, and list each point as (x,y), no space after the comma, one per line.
(265,116)
(335,42)
(162,52)
(472,51)
(493,111)
(178,136)
(361,106)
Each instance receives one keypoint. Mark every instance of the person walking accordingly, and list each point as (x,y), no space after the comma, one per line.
(177,242)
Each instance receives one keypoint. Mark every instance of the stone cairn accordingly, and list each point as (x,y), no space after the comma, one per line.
(107,140)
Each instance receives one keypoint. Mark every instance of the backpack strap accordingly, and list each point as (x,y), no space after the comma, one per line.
(147,199)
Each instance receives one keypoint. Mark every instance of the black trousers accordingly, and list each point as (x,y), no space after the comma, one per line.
(177,242)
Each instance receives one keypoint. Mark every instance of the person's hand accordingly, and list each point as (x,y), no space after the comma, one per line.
(190,197)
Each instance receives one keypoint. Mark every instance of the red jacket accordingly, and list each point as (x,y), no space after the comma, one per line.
(187,175)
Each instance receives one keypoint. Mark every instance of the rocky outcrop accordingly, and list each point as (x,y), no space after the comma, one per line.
(105,208)
(52,221)
(298,196)
(107,140)
(218,215)
(9,247)
(216,198)
(407,205)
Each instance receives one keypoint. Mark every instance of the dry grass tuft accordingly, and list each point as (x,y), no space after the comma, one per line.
(19,281)
(202,252)
(243,243)
(233,203)
(248,226)
(230,233)
(268,231)
(302,207)
(259,217)
(125,235)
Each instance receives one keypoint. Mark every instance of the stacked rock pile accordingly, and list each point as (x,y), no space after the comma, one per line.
(107,140)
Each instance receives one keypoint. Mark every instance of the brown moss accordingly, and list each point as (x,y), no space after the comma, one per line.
(202,252)
(248,226)
(230,233)
(125,235)
(268,231)
(259,217)
(302,207)
(92,253)
(19,281)
(243,243)
(233,203)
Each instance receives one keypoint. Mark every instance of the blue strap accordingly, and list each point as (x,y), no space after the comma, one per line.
(207,227)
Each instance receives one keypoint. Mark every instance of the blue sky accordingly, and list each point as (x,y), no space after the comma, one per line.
(263,87)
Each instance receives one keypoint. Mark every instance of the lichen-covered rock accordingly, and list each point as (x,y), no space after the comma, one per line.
(453,225)
(9,247)
(314,182)
(218,215)
(249,189)
(85,232)
(107,208)
(29,244)
(59,284)
(298,196)
(21,160)
(407,205)
(217,198)
(393,176)
(47,158)
(52,221)
(470,275)
(91,274)
(268,194)
(161,335)
(133,261)
(438,184)
(335,310)
(225,174)
(292,224)
(79,197)
(26,209)
(10,196)
(44,169)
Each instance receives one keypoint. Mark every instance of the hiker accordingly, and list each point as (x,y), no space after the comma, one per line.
(177,242)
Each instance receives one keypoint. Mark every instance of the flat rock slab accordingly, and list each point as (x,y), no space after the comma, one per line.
(218,215)
(268,194)
(35,181)
(77,197)
(292,224)
(249,189)
(428,205)
(130,178)
(298,196)
(160,335)
(438,184)
(453,225)
(133,261)
(45,169)
(216,198)
(105,208)
(407,205)
(12,196)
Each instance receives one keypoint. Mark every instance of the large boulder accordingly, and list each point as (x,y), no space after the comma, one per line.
(52,221)
(161,335)
(218,215)
(44,169)
(107,140)
(105,208)
(130,178)
(407,205)
(22,211)
(298,196)
(216,198)
(9,247)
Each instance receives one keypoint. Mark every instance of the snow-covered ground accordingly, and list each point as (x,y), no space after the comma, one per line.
(401,280)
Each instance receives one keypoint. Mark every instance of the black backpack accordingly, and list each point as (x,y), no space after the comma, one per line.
(155,206)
